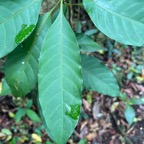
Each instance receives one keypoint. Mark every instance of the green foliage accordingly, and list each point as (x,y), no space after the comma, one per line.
(17,21)
(32,115)
(61,71)
(21,112)
(87,44)
(13,141)
(97,77)
(129,114)
(136,101)
(118,19)
(61,74)
(129,110)
(21,67)
(83,141)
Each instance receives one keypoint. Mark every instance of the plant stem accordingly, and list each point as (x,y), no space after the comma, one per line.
(76,4)
(55,6)
(61,7)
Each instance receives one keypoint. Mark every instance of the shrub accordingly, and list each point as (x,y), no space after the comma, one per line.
(45,50)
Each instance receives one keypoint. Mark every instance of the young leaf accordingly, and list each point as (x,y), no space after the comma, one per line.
(87,44)
(17,21)
(60,80)
(136,101)
(19,114)
(21,68)
(32,115)
(97,77)
(120,20)
(129,114)
(29,103)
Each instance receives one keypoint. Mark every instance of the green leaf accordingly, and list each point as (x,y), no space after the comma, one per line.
(87,44)
(56,13)
(13,141)
(91,32)
(123,97)
(97,77)
(32,115)
(82,141)
(19,114)
(120,20)
(89,98)
(129,114)
(136,101)
(60,80)
(5,89)
(48,142)
(17,21)
(29,103)
(21,68)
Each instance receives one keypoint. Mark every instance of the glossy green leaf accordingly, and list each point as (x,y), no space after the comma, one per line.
(19,114)
(60,80)
(129,114)
(97,77)
(17,21)
(21,67)
(5,89)
(120,20)
(33,115)
(83,141)
(87,44)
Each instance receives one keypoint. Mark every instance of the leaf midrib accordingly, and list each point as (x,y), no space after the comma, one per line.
(119,15)
(19,11)
(61,56)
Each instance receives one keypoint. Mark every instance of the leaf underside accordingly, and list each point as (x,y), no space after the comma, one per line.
(21,68)
(97,77)
(122,20)
(60,80)
(17,21)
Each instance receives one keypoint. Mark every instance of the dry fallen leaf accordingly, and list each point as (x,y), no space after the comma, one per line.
(140,79)
(36,138)
(91,136)
(137,87)
(86,105)
(96,110)
(2,136)
(114,106)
